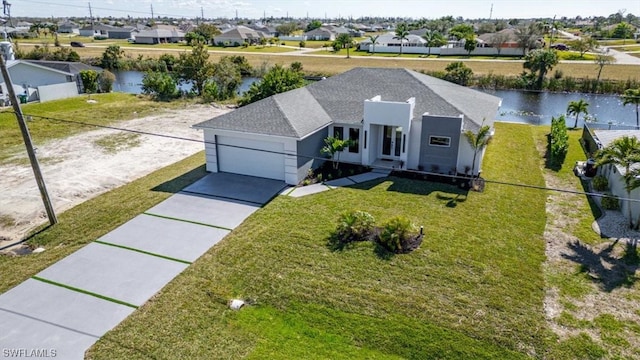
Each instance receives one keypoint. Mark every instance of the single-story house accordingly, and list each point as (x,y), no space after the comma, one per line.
(238,35)
(69,67)
(615,174)
(390,39)
(68,27)
(39,82)
(125,32)
(321,33)
(159,36)
(396,118)
(96,30)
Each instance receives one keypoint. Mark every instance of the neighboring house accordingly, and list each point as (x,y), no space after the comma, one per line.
(396,118)
(69,27)
(40,82)
(126,32)
(321,33)
(159,36)
(507,35)
(390,39)
(238,35)
(68,67)
(96,30)
(614,174)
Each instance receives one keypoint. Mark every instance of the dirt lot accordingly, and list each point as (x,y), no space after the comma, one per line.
(80,167)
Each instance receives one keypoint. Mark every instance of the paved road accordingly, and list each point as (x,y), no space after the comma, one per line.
(621,57)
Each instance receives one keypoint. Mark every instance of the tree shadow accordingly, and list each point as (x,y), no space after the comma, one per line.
(604,267)
(593,206)
(452,200)
(176,184)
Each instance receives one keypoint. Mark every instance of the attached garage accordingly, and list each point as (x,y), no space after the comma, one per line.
(250,157)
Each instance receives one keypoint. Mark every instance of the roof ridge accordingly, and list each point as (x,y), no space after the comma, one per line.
(276,100)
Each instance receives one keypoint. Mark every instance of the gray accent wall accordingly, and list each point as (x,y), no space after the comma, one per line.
(444,157)
(310,147)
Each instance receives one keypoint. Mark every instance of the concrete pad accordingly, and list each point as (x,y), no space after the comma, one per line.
(308,190)
(340,182)
(367,177)
(39,316)
(205,210)
(176,239)
(238,187)
(117,273)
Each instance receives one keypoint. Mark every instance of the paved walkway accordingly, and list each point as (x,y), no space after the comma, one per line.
(330,185)
(67,307)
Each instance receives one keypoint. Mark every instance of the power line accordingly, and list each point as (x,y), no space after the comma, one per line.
(111,9)
(309,157)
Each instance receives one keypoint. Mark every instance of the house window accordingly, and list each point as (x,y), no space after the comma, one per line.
(365,140)
(440,141)
(404,141)
(354,137)
(338,132)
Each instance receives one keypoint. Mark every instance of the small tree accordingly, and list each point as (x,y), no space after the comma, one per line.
(333,147)
(111,57)
(106,81)
(195,67)
(160,85)
(458,73)
(540,61)
(89,81)
(277,80)
(576,108)
(478,142)
(470,44)
(345,41)
(602,60)
(374,41)
(433,39)
(402,33)
(632,97)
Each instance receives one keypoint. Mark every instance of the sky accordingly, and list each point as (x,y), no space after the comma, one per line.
(430,9)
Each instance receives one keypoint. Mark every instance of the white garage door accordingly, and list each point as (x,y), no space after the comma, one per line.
(247,159)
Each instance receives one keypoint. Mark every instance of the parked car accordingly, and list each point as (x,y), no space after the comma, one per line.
(77,44)
(559,46)
(131,40)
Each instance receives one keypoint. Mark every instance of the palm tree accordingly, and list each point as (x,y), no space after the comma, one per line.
(374,41)
(433,39)
(478,142)
(576,108)
(632,96)
(345,41)
(540,61)
(402,32)
(623,152)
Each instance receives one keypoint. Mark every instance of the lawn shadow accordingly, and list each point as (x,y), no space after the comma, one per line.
(178,183)
(451,193)
(604,267)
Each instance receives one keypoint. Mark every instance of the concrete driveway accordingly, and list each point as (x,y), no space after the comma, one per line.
(67,307)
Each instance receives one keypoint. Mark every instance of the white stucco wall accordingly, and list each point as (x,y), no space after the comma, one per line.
(57,91)
(617,188)
(378,113)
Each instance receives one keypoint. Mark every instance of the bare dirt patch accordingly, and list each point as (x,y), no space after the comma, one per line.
(86,167)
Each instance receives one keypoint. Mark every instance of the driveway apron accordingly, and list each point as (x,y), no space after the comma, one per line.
(67,307)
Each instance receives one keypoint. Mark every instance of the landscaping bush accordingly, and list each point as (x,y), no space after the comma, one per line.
(558,141)
(354,226)
(600,183)
(610,202)
(395,233)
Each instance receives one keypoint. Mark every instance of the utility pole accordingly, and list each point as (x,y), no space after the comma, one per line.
(27,142)
(202,13)
(91,16)
(151,11)
(491,12)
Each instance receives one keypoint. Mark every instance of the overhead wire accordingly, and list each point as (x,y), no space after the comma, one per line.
(310,157)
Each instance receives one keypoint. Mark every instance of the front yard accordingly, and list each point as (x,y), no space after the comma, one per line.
(474,289)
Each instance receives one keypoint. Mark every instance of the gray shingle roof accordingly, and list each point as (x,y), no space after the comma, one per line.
(340,98)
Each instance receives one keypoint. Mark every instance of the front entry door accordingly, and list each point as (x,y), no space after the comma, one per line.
(391,142)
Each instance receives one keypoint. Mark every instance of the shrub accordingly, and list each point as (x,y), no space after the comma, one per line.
(558,140)
(610,202)
(600,183)
(106,80)
(395,233)
(354,226)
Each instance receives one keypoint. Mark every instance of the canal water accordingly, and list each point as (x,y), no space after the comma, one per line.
(605,111)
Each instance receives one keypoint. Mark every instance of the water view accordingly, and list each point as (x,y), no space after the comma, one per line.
(605,111)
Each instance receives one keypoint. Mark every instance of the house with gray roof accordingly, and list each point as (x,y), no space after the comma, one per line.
(159,36)
(395,118)
(239,35)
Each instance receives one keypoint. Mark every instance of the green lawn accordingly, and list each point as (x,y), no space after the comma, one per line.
(473,290)
(109,108)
